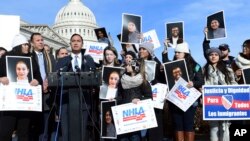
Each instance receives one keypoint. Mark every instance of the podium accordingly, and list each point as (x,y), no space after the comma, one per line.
(76,83)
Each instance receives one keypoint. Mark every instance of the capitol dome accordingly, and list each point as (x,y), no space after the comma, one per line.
(75,17)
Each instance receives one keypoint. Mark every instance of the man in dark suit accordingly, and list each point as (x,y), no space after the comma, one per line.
(76,62)
(46,64)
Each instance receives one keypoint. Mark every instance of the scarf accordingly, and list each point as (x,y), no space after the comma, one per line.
(131,81)
(48,60)
(216,77)
(242,62)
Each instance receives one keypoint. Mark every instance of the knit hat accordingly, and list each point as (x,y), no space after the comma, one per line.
(183,47)
(19,39)
(213,49)
(148,46)
(131,53)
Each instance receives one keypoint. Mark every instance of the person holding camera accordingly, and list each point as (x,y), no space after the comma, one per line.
(134,87)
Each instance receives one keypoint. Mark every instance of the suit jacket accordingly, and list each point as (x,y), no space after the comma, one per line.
(48,98)
(65,65)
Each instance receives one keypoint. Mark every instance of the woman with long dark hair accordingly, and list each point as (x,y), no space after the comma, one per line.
(183,122)
(216,73)
(134,87)
(110,57)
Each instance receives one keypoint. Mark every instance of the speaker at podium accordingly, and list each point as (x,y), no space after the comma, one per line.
(77,85)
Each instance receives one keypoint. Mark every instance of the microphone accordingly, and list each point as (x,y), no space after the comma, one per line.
(60,70)
(77,68)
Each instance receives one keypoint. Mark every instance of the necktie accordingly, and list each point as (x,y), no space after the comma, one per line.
(41,65)
(76,65)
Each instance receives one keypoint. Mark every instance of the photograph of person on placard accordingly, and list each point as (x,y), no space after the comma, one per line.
(102,35)
(246,75)
(129,47)
(107,122)
(174,70)
(111,78)
(19,69)
(175,33)
(216,27)
(131,29)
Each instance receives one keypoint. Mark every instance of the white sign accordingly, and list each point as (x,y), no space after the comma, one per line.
(95,50)
(152,37)
(159,92)
(107,92)
(20,97)
(9,27)
(150,70)
(182,96)
(134,117)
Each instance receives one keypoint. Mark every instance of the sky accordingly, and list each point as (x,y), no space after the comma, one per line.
(155,14)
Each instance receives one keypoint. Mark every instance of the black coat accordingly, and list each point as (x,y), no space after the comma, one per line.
(65,65)
(144,91)
(48,97)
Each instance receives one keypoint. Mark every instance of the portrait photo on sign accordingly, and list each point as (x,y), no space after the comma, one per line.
(174,70)
(175,33)
(101,35)
(216,26)
(129,47)
(111,75)
(246,75)
(131,28)
(107,122)
(19,69)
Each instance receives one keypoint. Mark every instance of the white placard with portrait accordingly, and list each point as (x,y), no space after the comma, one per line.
(134,117)
(20,97)
(182,96)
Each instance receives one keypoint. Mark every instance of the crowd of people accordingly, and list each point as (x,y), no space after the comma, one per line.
(132,86)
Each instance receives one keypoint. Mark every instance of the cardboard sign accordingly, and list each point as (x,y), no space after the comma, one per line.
(182,96)
(226,102)
(20,97)
(134,117)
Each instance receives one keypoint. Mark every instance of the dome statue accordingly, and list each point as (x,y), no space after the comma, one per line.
(75,17)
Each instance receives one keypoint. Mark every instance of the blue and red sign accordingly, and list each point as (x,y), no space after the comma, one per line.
(133,114)
(182,92)
(24,94)
(96,49)
(226,102)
